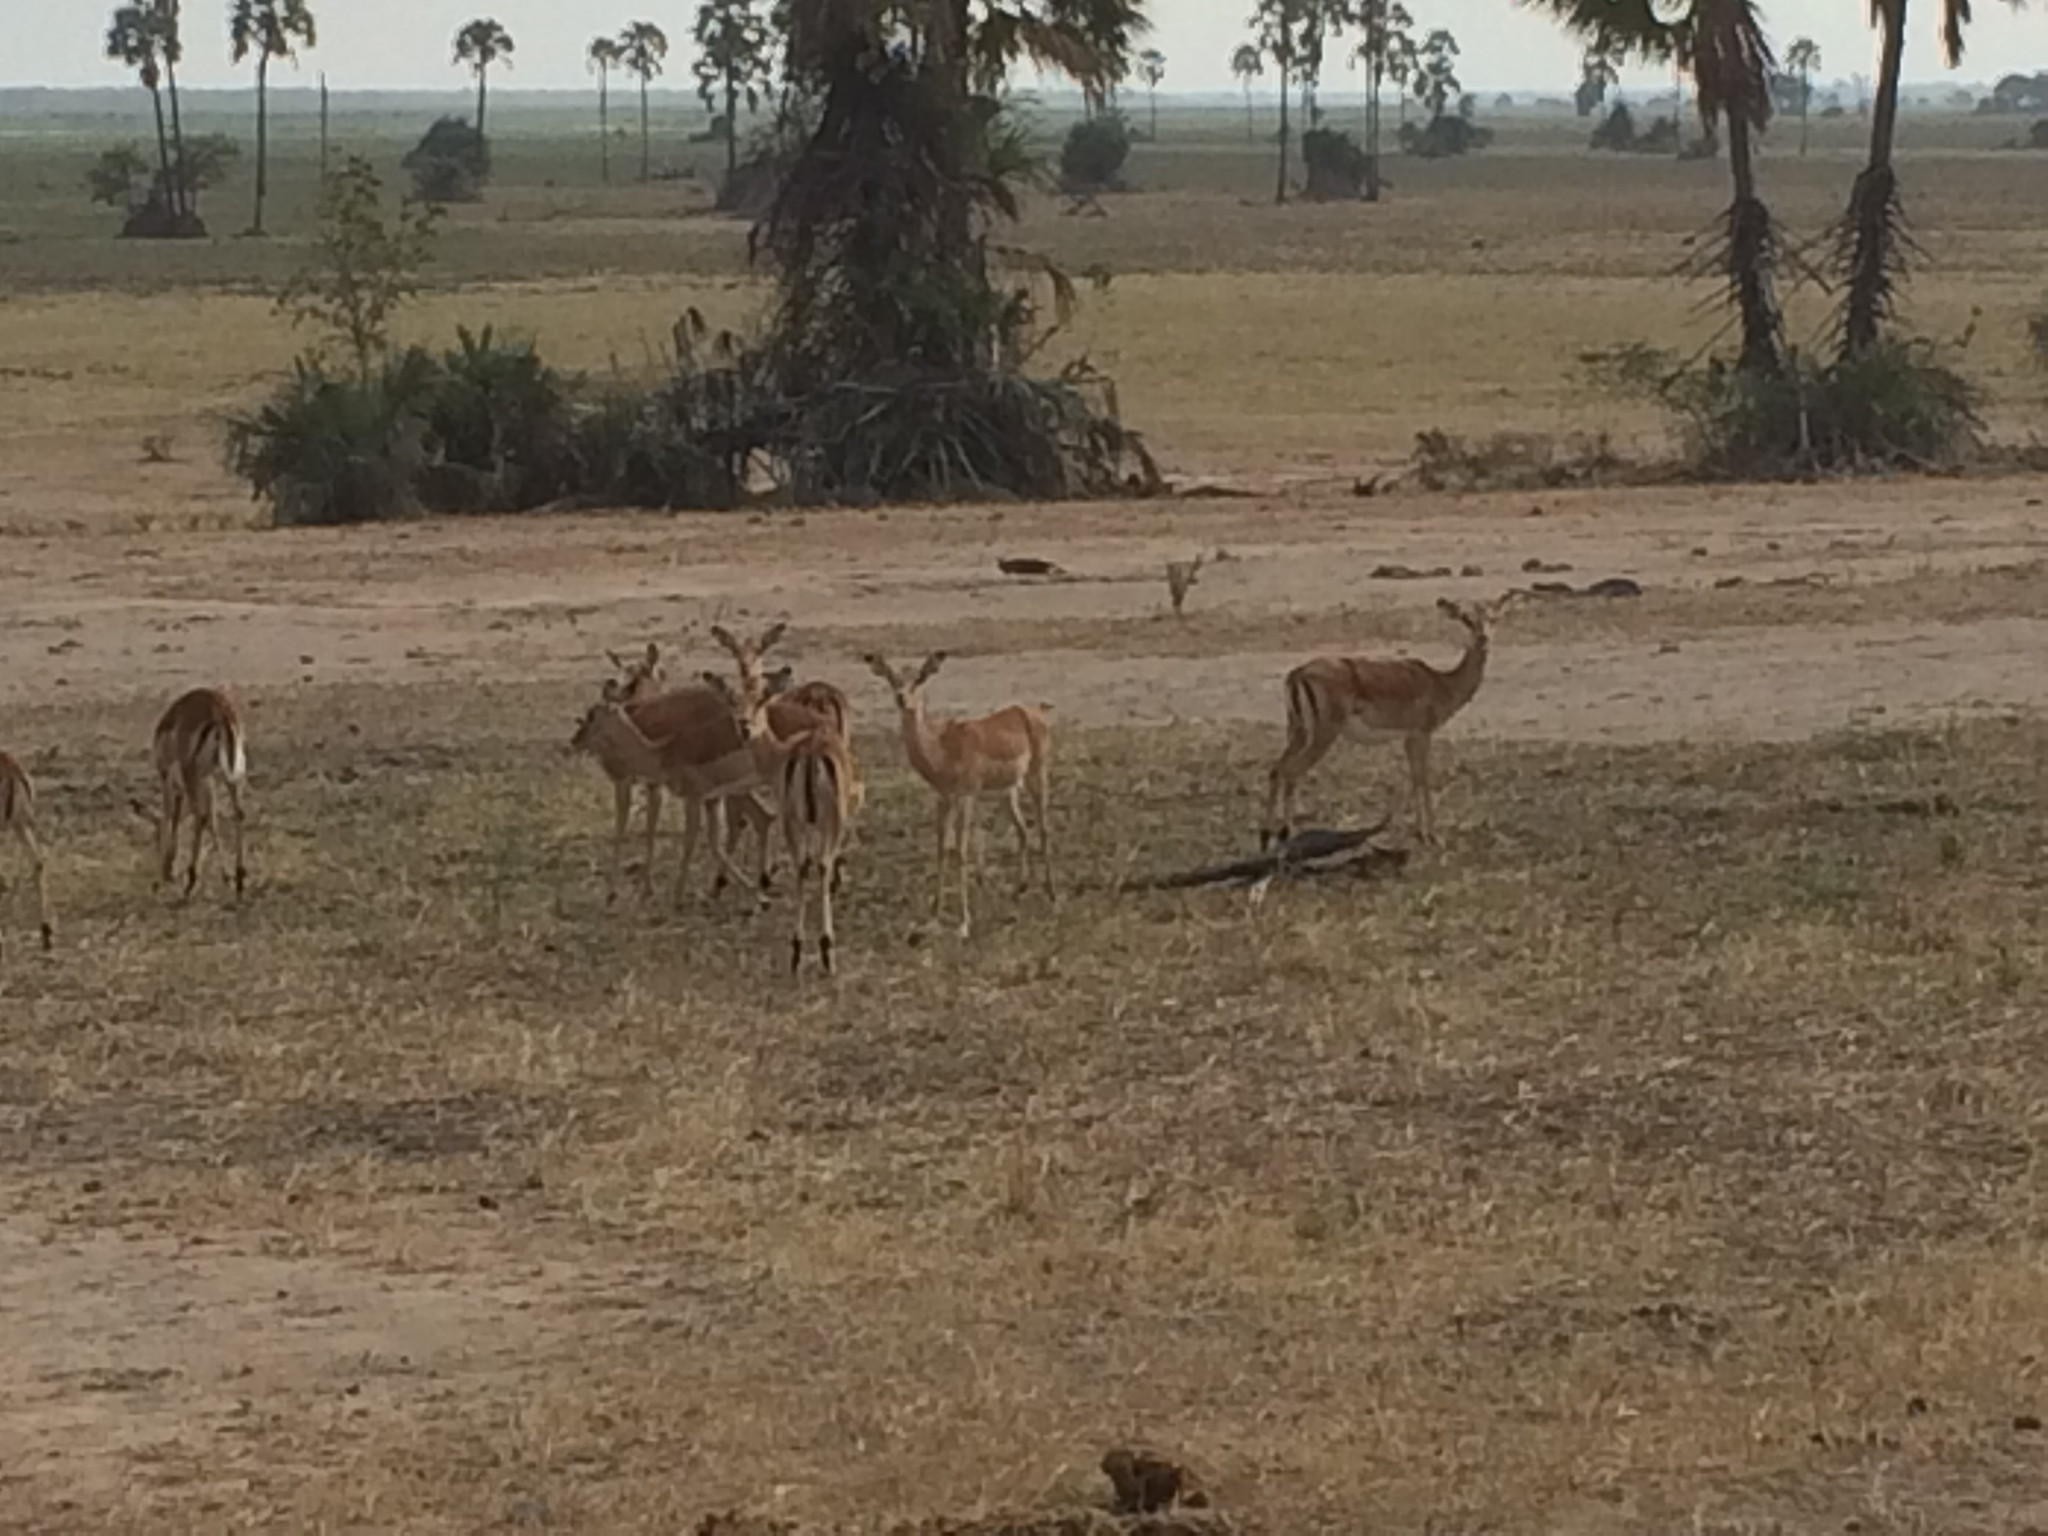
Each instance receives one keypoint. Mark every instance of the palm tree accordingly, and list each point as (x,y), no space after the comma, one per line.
(133,39)
(732,61)
(1152,70)
(1803,58)
(1277,21)
(480,45)
(170,42)
(1597,76)
(1247,64)
(1722,44)
(603,56)
(1387,25)
(270,29)
(642,47)
(1867,239)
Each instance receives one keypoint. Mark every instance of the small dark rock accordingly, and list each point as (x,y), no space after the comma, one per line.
(1537,564)
(2027,1423)
(486,1202)
(1915,1406)
(1471,570)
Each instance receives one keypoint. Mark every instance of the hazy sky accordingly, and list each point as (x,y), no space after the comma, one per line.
(405,43)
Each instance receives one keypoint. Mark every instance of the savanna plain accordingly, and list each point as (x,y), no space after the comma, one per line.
(1664,1151)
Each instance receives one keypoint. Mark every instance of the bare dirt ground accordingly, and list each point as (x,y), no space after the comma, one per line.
(260,1259)
(1766,615)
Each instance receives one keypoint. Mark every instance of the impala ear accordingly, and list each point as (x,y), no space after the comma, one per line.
(617,660)
(932,663)
(778,681)
(726,638)
(880,668)
(769,636)
(653,655)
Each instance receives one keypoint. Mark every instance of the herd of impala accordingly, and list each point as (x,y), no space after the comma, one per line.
(725,741)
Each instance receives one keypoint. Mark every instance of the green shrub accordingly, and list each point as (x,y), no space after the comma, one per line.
(1093,155)
(1336,165)
(337,450)
(1443,137)
(1896,406)
(499,427)
(450,164)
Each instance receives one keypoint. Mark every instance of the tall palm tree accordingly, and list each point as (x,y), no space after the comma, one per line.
(1152,70)
(604,56)
(1803,58)
(1868,239)
(479,45)
(1247,64)
(171,44)
(1277,22)
(133,39)
(642,47)
(270,29)
(1721,43)
(1388,34)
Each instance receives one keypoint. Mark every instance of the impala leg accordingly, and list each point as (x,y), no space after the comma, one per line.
(652,836)
(1304,751)
(693,826)
(26,836)
(236,821)
(1418,774)
(763,820)
(167,832)
(200,794)
(720,814)
(1041,807)
(944,821)
(622,813)
(826,941)
(963,851)
(1014,803)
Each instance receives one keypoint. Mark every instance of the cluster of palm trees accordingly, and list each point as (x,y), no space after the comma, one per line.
(1723,45)
(639,50)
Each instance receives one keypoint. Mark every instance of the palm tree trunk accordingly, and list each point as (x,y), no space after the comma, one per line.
(732,127)
(262,137)
(181,201)
(1280,187)
(163,151)
(1372,131)
(604,124)
(1869,235)
(646,136)
(482,73)
(1805,109)
(1154,94)
(1749,257)
(1251,128)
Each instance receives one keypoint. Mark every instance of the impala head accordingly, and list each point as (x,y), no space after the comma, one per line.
(639,676)
(746,704)
(747,657)
(907,691)
(1478,619)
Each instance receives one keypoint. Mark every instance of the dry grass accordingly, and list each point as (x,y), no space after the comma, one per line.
(1667,1146)
(1664,1154)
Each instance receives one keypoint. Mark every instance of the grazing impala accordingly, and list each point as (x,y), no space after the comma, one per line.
(792,712)
(1404,697)
(815,789)
(1009,751)
(199,741)
(701,718)
(18,816)
(697,729)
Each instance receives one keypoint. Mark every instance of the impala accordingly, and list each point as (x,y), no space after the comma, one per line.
(18,815)
(641,687)
(1008,751)
(791,712)
(1383,696)
(815,800)
(199,742)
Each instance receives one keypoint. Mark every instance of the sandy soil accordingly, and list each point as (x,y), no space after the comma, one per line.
(121,616)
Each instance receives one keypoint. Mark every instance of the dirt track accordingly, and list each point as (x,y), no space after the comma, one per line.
(540,598)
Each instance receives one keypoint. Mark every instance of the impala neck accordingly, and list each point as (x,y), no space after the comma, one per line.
(1471,669)
(631,751)
(921,742)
